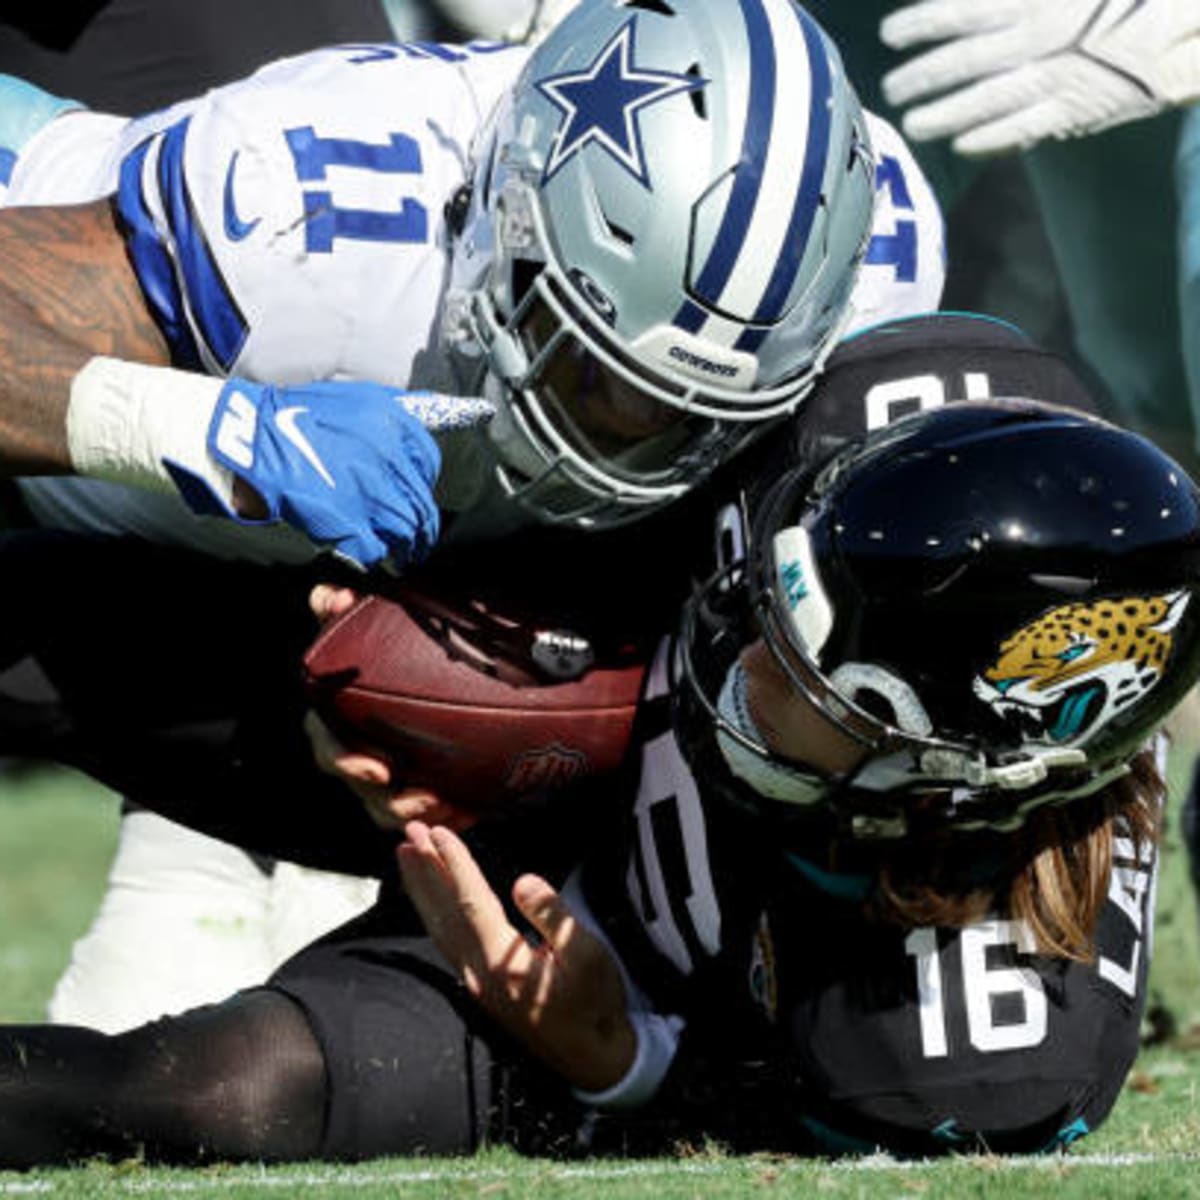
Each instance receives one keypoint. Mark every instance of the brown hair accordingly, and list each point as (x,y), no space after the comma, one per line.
(1053,872)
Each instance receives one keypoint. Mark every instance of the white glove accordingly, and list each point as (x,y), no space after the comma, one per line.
(542,18)
(488,18)
(1017,71)
(506,20)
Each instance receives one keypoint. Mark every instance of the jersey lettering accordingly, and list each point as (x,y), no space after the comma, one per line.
(370,52)
(898,249)
(325,222)
(671,870)
(1130,890)
(896,398)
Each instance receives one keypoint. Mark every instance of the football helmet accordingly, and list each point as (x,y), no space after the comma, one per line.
(666,224)
(998,601)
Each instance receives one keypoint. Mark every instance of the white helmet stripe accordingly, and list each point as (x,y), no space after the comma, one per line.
(771,210)
(814,97)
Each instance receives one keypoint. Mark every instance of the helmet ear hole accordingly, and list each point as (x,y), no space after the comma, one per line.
(876,704)
(882,694)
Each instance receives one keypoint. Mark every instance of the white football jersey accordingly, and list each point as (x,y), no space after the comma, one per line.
(292,226)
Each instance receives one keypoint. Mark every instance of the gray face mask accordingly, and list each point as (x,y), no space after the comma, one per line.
(770,778)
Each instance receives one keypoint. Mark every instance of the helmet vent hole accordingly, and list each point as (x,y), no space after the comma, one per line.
(618,232)
(696,95)
(654,6)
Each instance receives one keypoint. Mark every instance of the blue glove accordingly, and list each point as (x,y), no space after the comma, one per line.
(351,465)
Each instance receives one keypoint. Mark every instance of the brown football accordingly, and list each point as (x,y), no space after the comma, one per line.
(482,708)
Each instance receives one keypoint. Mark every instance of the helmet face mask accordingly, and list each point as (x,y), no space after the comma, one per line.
(651,284)
(999,603)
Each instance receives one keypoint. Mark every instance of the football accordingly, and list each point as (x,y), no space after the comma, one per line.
(481,707)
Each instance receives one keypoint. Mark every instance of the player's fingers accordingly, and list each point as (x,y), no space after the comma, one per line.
(433,894)
(420,804)
(954,65)
(464,916)
(335,758)
(545,910)
(1018,131)
(958,114)
(475,897)
(936,20)
(419,840)
(327,600)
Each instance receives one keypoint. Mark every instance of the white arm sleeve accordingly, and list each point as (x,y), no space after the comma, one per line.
(125,421)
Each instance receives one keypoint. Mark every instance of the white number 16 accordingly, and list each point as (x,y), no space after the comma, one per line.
(981,985)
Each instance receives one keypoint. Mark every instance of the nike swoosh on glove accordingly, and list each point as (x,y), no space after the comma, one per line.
(352,465)
(1011,73)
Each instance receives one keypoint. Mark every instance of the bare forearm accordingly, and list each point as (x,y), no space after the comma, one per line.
(67,294)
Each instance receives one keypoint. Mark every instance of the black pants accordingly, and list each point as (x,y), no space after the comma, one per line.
(175,680)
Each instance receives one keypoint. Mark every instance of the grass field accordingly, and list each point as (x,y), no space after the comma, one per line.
(56,834)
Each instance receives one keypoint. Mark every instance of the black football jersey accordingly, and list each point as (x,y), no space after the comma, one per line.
(861,1034)
(864,1035)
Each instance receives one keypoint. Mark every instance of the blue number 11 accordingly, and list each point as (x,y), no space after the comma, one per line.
(324,220)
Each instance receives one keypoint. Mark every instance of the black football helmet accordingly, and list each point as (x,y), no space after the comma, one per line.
(998,600)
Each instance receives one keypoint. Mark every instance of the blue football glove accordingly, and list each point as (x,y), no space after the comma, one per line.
(351,465)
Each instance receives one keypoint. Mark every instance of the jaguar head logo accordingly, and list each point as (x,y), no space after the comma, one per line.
(1065,675)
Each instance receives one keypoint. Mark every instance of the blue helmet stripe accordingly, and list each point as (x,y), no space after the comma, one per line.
(746,183)
(690,317)
(808,197)
(749,340)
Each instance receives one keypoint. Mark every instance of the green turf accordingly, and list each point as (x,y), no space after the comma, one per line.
(56,833)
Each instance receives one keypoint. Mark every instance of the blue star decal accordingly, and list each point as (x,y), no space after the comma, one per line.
(600,105)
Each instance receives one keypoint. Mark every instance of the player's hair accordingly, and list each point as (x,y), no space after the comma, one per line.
(1053,872)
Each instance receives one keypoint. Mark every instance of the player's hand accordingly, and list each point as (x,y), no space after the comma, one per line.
(369,775)
(563,998)
(365,771)
(350,464)
(1009,73)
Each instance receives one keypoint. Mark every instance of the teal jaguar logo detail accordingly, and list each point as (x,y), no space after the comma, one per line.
(1072,670)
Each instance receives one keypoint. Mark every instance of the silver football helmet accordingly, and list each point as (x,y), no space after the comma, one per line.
(667,222)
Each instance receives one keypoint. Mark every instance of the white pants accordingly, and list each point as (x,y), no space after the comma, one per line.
(188,920)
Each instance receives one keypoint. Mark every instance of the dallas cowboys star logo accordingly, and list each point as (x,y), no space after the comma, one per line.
(601,103)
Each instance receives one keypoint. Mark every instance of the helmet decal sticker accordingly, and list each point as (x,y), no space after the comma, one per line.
(600,105)
(1065,675)
(801,593)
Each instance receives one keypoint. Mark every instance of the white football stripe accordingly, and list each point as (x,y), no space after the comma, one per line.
(784,165)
